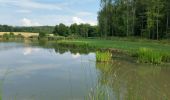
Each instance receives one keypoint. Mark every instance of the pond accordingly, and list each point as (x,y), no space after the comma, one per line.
(38,71)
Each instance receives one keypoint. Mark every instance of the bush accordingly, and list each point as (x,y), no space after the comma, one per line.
(42,34)
(19,36)
(6,36)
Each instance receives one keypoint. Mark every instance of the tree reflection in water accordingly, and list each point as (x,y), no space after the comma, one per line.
(131,81)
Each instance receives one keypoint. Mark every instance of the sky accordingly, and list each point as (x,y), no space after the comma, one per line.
(48,12)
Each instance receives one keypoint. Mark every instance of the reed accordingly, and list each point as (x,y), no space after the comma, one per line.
(146,55)
(99,93)
(105,56)
(166,57)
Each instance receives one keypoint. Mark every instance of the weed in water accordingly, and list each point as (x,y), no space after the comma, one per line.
(103,56)
(146,55)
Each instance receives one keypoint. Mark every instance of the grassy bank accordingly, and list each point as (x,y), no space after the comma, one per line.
(157,51)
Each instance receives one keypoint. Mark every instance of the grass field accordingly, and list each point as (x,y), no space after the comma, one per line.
(148,51)
(124,45)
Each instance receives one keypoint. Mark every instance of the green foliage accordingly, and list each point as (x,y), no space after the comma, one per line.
(82,30)
(133,18)
(6,36)
(158,52)
(61,30)
(105,56)
(42,34)
(146,55)
(35,29)
(19,36)
(74,29)
(11,34)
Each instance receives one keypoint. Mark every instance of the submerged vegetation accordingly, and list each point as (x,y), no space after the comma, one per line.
(99,93)
(136,79)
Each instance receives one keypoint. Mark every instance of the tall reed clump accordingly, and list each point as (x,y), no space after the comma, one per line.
(146,55)
(103,56)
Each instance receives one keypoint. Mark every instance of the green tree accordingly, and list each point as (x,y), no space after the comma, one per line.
(74,29)
(61,30)
(42,34)
(134,18)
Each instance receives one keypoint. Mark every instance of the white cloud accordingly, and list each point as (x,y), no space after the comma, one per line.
(93,23)
(28,22)
(77,20)
(81,21)
(40,12)
(31,4)
(52,19)
(28,51)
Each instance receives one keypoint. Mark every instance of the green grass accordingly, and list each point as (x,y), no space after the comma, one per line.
(146,55)
(156,49)
(103,56)
(121,44)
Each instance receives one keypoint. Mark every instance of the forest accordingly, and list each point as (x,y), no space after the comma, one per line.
(144,18)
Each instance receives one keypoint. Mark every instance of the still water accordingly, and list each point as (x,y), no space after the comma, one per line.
(47,72)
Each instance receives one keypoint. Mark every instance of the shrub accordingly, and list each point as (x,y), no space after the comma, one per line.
(42,34)
(20,36)
(6,36)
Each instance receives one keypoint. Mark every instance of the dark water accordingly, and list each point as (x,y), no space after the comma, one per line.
(46,72)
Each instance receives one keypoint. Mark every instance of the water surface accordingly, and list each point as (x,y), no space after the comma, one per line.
(47,72)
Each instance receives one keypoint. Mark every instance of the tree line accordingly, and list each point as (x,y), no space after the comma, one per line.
(144,18)
(35,29)
(82,30)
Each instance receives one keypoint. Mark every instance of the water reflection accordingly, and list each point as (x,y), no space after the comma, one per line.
(47,71)
(130,81)
(39,73)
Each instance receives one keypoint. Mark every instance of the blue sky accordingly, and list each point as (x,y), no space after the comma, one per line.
(48,12)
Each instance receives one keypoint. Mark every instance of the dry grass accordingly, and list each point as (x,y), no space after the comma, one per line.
(24,34)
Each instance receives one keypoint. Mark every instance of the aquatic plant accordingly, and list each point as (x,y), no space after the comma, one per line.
(146,55)
(165,57)
(105,56)
(99,93)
